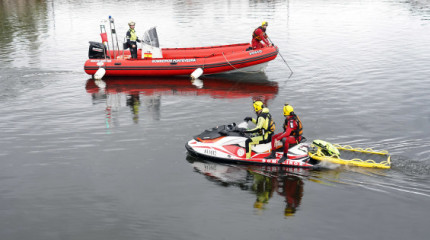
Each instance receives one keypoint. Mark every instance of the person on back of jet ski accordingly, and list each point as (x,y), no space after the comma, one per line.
(293,131)
(264,127)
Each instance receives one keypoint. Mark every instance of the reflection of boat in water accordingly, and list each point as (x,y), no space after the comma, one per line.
(147,92)
(261,180)
(214,86)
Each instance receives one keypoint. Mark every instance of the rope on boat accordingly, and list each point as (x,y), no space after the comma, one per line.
(238,68)
(319,155)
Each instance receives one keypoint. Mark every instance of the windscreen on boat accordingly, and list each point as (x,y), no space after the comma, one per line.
(150,37)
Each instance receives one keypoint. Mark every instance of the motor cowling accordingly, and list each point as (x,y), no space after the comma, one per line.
(97,50)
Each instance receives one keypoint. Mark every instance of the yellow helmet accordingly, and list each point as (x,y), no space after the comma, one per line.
(131,23)
(288,109)
(264,23)
(258,105)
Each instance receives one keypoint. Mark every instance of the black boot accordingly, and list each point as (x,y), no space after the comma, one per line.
(271,156)
(283,158)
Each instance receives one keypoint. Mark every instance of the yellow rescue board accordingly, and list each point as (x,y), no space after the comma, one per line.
(380,159)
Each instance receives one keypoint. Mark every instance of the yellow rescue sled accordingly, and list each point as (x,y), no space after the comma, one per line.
(347,155)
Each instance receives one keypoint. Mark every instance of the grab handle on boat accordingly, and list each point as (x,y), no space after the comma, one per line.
(197,73)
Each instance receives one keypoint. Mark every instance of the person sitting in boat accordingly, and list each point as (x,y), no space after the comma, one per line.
(132,39)
(259,35)
(264,127)
(293,131)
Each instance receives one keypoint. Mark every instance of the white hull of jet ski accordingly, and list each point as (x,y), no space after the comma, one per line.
(225,143)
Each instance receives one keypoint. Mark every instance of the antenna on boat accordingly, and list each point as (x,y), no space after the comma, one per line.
(113,32)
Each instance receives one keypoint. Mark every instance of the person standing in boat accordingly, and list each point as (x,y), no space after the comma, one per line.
(259,35)
(293,131)
(264,127)
(132,39)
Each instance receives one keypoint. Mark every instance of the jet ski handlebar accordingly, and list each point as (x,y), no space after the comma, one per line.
(232,127)
(235,128)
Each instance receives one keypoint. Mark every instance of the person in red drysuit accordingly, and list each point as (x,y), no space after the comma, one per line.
(293,131)
(259,35)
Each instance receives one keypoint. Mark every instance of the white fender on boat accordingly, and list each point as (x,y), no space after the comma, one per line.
(197,73)
(100,73)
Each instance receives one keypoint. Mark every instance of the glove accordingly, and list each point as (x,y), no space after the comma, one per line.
(247,119)
(242,130)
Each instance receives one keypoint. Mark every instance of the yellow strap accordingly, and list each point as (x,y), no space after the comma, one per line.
(319,155)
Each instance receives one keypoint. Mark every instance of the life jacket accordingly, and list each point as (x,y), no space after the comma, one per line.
(299,129)
(132,35)
(269,126)
(257,37)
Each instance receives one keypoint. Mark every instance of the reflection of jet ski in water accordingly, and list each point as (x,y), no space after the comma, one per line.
(291,187)
(221,173)
(263,180)
(226,143)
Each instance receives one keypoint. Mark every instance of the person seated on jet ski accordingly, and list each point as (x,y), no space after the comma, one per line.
(264,127)
(293,131)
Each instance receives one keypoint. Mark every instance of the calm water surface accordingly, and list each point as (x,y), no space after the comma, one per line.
(80,160)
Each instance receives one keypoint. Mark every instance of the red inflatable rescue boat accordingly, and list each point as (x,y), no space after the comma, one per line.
(154,61)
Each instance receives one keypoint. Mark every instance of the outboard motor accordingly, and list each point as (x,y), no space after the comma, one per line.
(97,50)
